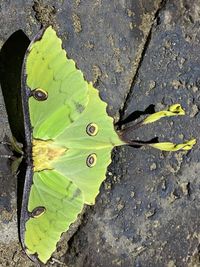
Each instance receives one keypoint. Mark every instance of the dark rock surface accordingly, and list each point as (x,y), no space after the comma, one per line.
(137,53)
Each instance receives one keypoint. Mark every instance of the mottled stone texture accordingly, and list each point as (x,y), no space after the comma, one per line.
(138,54)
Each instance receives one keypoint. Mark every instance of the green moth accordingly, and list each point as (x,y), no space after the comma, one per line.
(69,139)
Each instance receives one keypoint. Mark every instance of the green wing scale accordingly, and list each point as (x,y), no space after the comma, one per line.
(72,138)
(69,140)
(61,201)
(47,68)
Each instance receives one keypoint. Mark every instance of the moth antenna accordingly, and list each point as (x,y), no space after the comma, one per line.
(6,156)
(5,143)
